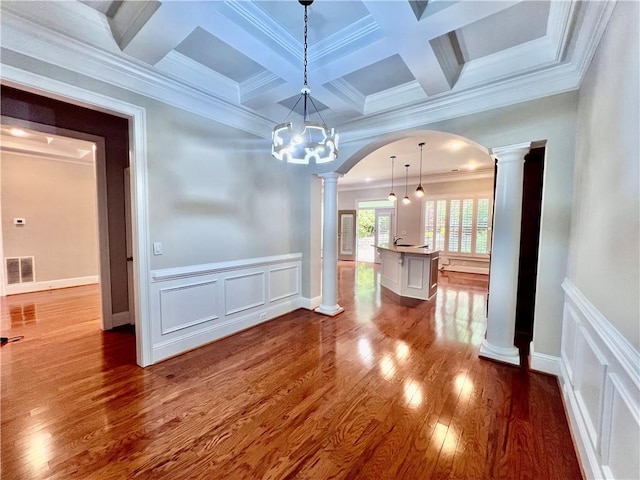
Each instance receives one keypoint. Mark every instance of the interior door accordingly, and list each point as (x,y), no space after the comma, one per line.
(347,235)
(384,229)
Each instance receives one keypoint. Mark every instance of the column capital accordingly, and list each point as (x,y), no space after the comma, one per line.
(511,153)
(330,175)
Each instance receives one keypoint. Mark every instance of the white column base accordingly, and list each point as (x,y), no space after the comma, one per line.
(329,311)
(509,355)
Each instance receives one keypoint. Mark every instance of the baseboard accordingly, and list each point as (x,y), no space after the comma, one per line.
(542,362)
(120,318)
(30,287)
(465,269)
(190,341)
(310,303)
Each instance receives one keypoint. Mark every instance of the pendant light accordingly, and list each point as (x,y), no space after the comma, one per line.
(392,196)
(420,190)
(314,142)
(406,200)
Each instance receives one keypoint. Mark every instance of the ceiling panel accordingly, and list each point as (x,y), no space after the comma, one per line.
(521,23)
(213,53)
(382,75)
(325,17)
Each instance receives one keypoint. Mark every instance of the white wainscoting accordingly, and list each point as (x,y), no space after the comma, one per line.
(195,305)
(600,377)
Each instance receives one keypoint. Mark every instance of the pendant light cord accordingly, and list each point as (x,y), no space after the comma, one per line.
(406,181)
(392,162)
(421,145)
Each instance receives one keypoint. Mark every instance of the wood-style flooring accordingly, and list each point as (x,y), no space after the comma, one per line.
(389,389)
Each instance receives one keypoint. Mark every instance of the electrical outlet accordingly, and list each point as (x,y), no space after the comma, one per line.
(263,316)
(157,248)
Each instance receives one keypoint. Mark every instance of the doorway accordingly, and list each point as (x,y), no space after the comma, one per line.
(375,227)
(55,211)
(31,98)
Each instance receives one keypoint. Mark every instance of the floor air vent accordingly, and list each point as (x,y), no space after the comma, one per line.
(19,270)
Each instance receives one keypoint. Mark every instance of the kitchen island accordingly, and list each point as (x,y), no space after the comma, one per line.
(409,271)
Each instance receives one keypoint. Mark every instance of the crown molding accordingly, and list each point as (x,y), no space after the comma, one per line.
(362,32)
(341,88)
(407,93)
(33,40)
(178,65)
(443,177)
(265,79)
(47,156)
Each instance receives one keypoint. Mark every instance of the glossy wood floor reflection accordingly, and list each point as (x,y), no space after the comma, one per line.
(390,389)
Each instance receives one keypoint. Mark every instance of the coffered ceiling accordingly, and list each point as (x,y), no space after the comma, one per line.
(375,66)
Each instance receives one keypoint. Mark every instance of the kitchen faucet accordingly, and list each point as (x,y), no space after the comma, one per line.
(395,240)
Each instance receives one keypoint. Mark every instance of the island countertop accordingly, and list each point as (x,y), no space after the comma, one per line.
(407,249)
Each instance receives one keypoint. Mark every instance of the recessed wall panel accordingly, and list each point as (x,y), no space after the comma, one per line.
(283,282)
(590,382)
(243,292)
(623,447)
(188,305)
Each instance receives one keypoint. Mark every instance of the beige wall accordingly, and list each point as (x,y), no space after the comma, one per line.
(605,239)
(58,201)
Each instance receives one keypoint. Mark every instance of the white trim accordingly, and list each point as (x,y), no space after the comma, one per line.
(619,346)
(594,431)
(310,303)
(465,269)
(29,287)
(586,454)
(211,268)
(138,163)
(541,362)
(120,318)
(189,341)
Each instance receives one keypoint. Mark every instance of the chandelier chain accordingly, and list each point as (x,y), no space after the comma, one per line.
(306,21)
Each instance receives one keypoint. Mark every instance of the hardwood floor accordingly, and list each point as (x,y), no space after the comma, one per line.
(390,389)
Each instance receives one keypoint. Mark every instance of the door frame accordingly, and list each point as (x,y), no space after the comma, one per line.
(40,85)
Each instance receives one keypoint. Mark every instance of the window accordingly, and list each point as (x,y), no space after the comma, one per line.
(458,225)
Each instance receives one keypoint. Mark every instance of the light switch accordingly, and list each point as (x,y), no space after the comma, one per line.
(403,232)
(19,221)
(157,248)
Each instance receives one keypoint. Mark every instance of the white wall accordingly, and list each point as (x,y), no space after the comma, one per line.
(58,201)
(605,232)
(600,355)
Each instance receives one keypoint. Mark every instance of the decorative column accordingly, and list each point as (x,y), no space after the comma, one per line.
(505,254)
(329,305)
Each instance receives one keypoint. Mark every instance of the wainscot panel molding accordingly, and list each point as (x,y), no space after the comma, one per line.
(600,377)
(28,287)
(195,305)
